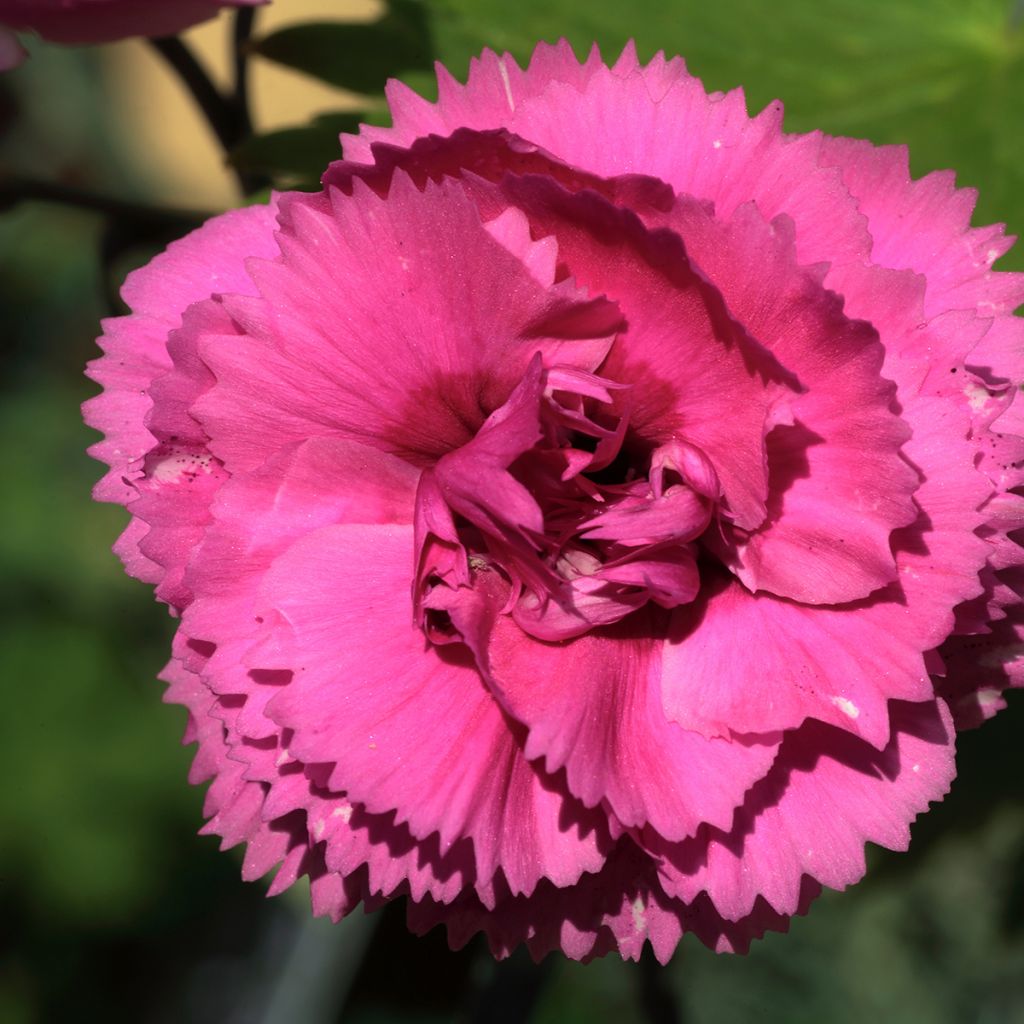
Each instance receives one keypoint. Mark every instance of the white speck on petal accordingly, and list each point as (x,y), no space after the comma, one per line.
(977,396)
(345,813)
(717,143)
(915,768)
(282,758)
(846,706)
(318,828)
(639,914)
(508,85)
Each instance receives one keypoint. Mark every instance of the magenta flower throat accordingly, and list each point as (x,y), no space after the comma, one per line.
(590,516)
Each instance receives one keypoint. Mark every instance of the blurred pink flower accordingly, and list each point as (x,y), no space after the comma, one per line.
(99,21)
(584,514)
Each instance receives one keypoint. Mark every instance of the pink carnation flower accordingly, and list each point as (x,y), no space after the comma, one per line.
(99,21)
(588,515)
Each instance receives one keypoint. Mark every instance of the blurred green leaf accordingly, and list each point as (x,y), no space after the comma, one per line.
(296,157)
(360,57)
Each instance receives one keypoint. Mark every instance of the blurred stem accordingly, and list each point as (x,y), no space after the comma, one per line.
(313,981)
(512,992)
(244,19)
(21,190)
(215,107)
(227,115)
(657,1000)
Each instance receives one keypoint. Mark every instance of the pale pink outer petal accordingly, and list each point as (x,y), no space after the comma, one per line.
(826,796)
(593,706)
(207,261)
(999,354)
(255,518)
(102,21)
(407,727)
(233,805)
(174,500)
(966,464)
(400,323)
(924,226)
(495,86)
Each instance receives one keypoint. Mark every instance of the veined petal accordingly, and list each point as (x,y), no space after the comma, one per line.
(398,322)
(593,706)
(370,677)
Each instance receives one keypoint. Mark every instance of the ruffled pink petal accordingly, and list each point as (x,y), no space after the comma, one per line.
(620,909)
(399,322)
(234,805)
(840,665)
(290,823)
(593,706)
(838,486)
(680,350)
(370,851)
(999,355)
(135,350)
(369,679)
(924,226)
(256,518)
(208,260)
(826,796)
(940,555)
(495,87)
(627,120)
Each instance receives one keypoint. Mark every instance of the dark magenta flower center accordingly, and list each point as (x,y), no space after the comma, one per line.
(581,535)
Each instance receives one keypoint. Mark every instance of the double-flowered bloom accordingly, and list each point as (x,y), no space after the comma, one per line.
(589,515)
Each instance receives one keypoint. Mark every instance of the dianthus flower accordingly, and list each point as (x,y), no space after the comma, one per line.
(99,21)
(589,515)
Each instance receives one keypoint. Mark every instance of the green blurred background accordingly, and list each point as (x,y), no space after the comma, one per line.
(110,906)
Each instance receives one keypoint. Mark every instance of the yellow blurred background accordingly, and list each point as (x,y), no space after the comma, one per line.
(173,147)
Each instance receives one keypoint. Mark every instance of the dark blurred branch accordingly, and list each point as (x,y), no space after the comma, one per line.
(227,115)
(215,107)
(14,191)
(244,19)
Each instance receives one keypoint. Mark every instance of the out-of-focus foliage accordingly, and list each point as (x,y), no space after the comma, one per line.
(396,43)
(112,908)
(296,157)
